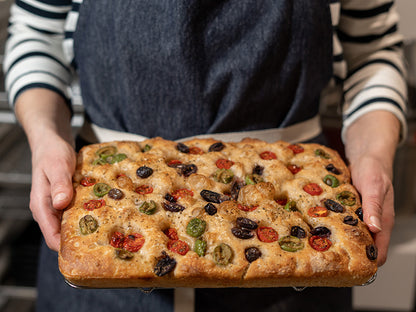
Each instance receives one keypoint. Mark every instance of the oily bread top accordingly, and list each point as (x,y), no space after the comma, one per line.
(90,259)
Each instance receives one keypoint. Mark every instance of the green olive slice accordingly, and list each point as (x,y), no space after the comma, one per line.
(346,198)
(252,179)
(223,175)
(112,159)
(147,148)
(88,225)
(291,243)
(148,207)
(99,161)
(331,180)
(100,189)
(321,153)
(290,206)
(124,254)
(196,227)
(200,247)
(106,151)
(222,254)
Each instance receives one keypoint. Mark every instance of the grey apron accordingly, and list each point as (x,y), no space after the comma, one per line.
(177,68)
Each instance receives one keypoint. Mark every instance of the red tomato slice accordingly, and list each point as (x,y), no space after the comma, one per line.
(281,201)
(313,189)
(144,189)
(94,204)
(171,233)
(267,234)
(224,163)
(317,212)
(194,150)
(180,193)
(294,169)
(178,246)
(117,240)
(133,242)
(320,243)
(87,181)
(267,155)
(174,162)
(246,208)
(296,148)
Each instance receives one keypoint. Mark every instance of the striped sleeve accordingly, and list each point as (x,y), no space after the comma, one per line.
(34,55)
(375,80)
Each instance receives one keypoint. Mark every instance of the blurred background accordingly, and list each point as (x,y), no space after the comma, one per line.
(393,290)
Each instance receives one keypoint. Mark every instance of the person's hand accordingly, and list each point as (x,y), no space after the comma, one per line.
(370,147)
(53,164)
(45,117)
(374,182)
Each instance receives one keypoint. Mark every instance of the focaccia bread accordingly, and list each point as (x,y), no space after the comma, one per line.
(206,213)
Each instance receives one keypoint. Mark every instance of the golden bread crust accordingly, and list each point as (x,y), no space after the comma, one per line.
(258,186)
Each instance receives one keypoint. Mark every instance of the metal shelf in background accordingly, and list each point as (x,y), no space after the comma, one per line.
(15,156)
(17,299)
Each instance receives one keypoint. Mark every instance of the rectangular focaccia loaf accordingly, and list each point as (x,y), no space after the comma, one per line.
(206,213)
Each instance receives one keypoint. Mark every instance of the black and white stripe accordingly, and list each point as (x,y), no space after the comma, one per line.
(34,55)
(375,78)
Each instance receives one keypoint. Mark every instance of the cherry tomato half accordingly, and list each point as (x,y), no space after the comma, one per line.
(94,204)
(87,181)
(281,201)
(178,246)
(194,150)
(246,208)
(133,242)
(267,155)
(317,212)
(320,243)
(174,163)
(296,148)
(171,233)
(117,240)
(144,189)
(180,193)
(224,163)
(294,169)
(267,234)
(313,189)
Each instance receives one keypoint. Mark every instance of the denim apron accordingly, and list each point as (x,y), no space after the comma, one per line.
(178,68)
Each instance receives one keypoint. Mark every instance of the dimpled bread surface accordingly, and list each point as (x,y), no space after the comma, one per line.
(258,185)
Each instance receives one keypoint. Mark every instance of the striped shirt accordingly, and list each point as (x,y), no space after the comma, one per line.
(367,57)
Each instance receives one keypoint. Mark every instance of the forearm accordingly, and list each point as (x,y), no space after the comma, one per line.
(42,114)
(375,134)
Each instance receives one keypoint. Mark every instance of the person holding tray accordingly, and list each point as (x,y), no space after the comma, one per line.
(179,69)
